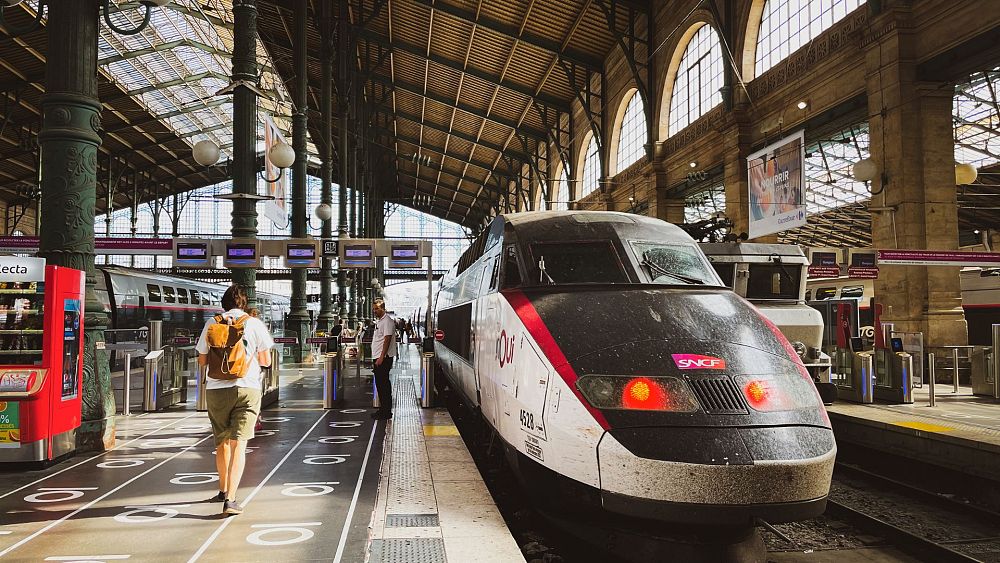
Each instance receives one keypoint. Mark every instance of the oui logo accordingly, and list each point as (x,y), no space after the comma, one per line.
(505,348)
(695,361)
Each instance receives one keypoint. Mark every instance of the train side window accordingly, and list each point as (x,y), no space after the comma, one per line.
(825,293)
(195,298)
(168,294)
(511,270)
(495,275)
(852,291)
(809,293)
(154,293)
(182,295)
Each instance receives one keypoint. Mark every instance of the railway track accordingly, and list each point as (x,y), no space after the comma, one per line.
(922,523)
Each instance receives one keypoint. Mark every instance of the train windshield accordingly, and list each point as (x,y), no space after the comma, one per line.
(774,281)
(578,262)
(674,264)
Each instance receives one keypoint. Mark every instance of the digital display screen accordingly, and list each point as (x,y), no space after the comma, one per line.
(824,259)
(863,260)
(405,252)
(359,252)
(192,251)
(302,251)
(241,251)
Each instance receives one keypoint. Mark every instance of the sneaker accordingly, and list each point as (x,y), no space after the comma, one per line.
(232,507)
(221,497)
(382,415)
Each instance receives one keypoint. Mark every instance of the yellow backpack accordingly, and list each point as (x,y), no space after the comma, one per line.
(227,352)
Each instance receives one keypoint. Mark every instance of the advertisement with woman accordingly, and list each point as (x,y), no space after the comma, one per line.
(777,187)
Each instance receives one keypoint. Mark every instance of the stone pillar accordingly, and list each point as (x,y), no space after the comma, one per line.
(912,144)
(325,318)
(68,140)
(298,317)
(737,146)
(245,135)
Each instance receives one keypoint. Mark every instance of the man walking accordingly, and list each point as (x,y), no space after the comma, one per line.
(383,352)
(233,388)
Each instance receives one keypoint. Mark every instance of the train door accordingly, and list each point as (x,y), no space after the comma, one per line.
(488,371)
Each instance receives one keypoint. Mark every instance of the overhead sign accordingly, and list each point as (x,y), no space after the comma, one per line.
(102,245)
(863,265)
(329,249)
(776,177)
(20,269)
(824,263)
(275,208)
(405,255)
(301,254)
(939,258)
(357,253)
(192,253)
(241,254)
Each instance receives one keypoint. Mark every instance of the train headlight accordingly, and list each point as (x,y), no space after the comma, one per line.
(665,394)
(800,348)
(767,393)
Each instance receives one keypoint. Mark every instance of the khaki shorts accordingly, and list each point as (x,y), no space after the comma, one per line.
(233,412)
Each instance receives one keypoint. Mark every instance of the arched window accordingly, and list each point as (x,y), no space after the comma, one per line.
(591,170)
(786,25)
(632,135)
(562,193)
(699,79)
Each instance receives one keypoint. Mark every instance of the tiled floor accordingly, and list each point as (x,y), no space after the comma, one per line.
(427,470)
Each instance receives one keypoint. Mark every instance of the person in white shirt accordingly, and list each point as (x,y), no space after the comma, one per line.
(234,404)
(383,352)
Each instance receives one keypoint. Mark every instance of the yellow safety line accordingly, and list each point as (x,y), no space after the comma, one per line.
(926,427)
(435,430)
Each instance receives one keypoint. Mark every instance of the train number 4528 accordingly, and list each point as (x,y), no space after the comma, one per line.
(527,420)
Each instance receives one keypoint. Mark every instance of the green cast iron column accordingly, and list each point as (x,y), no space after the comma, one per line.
(343,70)
(352,227)
(298,317)
(326,162)
(245,134)
(71,120)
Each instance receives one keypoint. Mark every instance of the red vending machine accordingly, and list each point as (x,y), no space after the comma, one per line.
(41,359)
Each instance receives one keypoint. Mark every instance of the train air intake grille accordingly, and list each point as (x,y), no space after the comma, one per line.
(718,396)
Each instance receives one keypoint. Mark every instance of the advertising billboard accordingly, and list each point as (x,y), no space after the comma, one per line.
(777,196)
(276,209)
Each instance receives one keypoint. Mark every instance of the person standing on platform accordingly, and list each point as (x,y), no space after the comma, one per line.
(383,352)
(233,387)
(337,328)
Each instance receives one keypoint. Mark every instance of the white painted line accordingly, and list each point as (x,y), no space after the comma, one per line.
(94,457)
(87,557)
(253,493)
(98,499)
(5,532)
(354,501)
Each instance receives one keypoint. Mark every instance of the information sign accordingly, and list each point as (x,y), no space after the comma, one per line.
(286,340)
(405,255)
(193,254)
(242,254)
(301,255)
(329,249)
(939,258)
(317,340)
(356,253)
(439,335)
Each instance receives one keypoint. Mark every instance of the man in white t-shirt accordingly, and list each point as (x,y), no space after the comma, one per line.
(234,404)
(383,352)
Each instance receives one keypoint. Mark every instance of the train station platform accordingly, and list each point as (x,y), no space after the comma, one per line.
(311,486)
(961,432)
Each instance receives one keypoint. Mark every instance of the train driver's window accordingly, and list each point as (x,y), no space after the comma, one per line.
(154,293)
(726,271)
(809,293)
(168,294)
(853,291)
(577,262)
(195,298)
(182,295)
(825,293)
(511,271)
(773,281)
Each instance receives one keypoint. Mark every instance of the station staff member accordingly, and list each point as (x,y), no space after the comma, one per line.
(234,404)
(383,352)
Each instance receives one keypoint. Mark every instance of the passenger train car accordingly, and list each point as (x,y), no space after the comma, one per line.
(980,299)
(622,375)
(132,298)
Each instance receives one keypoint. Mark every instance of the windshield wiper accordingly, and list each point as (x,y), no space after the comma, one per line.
(661,271)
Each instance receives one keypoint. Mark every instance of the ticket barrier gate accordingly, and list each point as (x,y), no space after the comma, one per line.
(985,368)
(333,381)
(863,377)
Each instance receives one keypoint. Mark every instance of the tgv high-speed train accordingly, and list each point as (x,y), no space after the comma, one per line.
(622,374)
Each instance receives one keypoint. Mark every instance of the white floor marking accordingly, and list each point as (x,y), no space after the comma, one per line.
(95,457)
(354,501)
(253,493)
(98,499)
(83,558)
(303,533)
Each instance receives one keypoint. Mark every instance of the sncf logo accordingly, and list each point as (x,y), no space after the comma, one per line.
(694,361)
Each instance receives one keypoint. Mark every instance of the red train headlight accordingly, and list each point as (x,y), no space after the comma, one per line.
(665,394)
(769,393)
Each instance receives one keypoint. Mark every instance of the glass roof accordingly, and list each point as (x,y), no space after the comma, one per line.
(175,67)
(977,140)
(829,170)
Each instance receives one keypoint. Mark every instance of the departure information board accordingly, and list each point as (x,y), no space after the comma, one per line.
(405,255)
(242,254)
(357,254)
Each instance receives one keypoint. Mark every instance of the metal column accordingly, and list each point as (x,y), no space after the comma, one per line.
(298,317)
(325,319)
(244,164)
(343,77)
